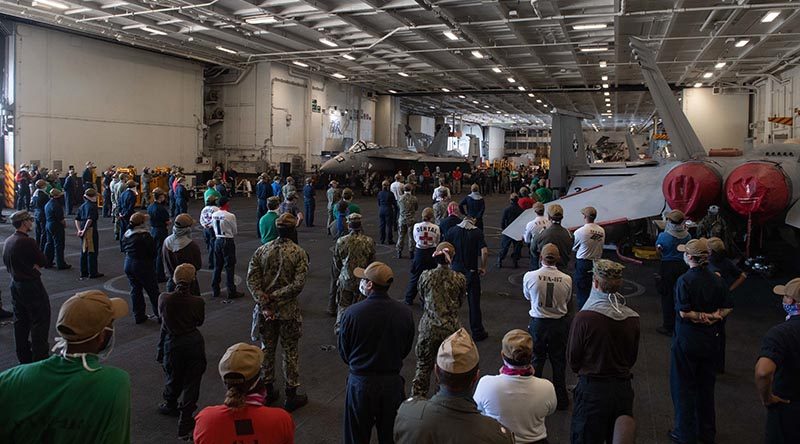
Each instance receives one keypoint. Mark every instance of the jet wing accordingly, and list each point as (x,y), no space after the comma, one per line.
(442,159)
(635,197)
(395,155)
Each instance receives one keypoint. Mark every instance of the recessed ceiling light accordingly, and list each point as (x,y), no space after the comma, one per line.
(300,64)
(485,106)
(450,35)
(770,16)
(698,85)
(348,57)
(719,65)
(475,102)
(462,97)
(603,63)
(391,91)
(742,43)
(545,105)
(402,74)
(521,88)
(224,49)
(604,78)
(339,76)
(113,5)
(51,4)
(595,49)
(538,100)
(477,54)
(606,93)
(445,90)
(328,42)
(505,115)
(432,107)
(498,112)
(605,85)
(511,80)
(261,20)
(708,75)
(531,95)
(608,99)
(590,26)
(496,69)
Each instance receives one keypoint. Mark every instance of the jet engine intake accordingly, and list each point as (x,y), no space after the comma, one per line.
(691,187)
(758,189)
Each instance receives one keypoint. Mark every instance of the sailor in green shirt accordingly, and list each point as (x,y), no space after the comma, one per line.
(269,231)
(211,190)
(347,196)
(543,194)
(70,397)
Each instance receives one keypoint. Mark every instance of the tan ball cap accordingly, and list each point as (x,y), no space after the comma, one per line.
(518,345)
(676,216)
(695,247)
(184,274)
(715,244)
(589,212)
(87,313)
(240,363)
(550,251)
(286,220)
(555,211)
(458,353)
(377,272)
(791,289)
(184,220)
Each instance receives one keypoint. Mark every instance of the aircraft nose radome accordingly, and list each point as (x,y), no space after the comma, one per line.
(329,166)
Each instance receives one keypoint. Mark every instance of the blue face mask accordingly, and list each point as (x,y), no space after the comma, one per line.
(791,310)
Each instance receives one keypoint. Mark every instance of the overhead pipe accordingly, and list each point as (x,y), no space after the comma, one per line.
(147,12)
(242,74)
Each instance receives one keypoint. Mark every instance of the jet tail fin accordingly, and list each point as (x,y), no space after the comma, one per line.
(633,153)
(438,146)
(685,142)
(568,150)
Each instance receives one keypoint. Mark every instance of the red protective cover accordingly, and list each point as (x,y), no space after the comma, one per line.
(692,187)
(760,189)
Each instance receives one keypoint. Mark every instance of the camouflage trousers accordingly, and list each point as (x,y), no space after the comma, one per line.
(333,290)
(428,343)
(344,299)
(404,235)
(288,332)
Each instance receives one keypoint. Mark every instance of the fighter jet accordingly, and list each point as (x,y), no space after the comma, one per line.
(371,157)
(757,186)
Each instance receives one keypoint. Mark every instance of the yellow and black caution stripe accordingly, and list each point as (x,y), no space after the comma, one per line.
(661,136)
(781,120)
(10,185)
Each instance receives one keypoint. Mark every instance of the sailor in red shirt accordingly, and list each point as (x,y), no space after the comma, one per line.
(525,200)
(243,418)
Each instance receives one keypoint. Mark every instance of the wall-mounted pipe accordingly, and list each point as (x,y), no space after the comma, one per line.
(147,12)
(242,74)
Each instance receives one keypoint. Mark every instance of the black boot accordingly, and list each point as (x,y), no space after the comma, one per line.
(293,400)
(272,394)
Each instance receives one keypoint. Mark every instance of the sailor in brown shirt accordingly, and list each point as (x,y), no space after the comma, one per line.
(180,248)
(603,346)
(182,349)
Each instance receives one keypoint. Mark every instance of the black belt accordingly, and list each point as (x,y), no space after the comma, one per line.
(590,378)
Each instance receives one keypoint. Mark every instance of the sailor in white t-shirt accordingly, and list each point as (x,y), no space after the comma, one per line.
(534,227)
(588,247)
(516,398)
(550,293)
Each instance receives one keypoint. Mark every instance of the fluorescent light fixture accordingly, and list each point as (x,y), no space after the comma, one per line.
(605,85)
(328,42)
(460,96)
(505,115)
(496,69)
(498,112)
(339,76)
(608,99)
(224,49)
(604,78)
(402,74)
(538,100)
(477,54)
(261,20)
(475,102)
(511,80)
(742,43)
(698,85)
(485,106)
(531,95)
(545,105)
(300,64)
(608,105)
(590,26)
(153,31)
(348,57)
(770,16)
(595,49)
(603,64)
(708,75)
(450,35)
(445,90)
(113,5)
(136,26)
(521,88)
(391,91)
(719,65)
(169,22)
(432,107)
(606,93)
(50,4)
(76,11)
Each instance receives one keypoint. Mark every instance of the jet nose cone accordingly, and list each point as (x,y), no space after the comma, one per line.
(330,166)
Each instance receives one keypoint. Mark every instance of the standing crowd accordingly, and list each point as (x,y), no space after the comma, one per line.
(594,332)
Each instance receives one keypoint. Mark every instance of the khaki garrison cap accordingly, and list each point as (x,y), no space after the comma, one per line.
(458,353)
(377,272)
(695,247)
(791,289)
(607,269)
(240,363)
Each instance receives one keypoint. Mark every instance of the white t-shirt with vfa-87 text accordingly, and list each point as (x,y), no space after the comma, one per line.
(549,291)
(589,241)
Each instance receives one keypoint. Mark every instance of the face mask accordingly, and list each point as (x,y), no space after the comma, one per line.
(791,310)
(105,352)
(362,287)
(686,260)
(616,301)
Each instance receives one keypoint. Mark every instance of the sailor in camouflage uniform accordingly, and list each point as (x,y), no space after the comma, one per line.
(407,208)
(276,276)
(351,251)
(440,208)
(442,291)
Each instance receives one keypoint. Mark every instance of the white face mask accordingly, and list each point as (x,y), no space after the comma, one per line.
(362,287)
(61,344)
